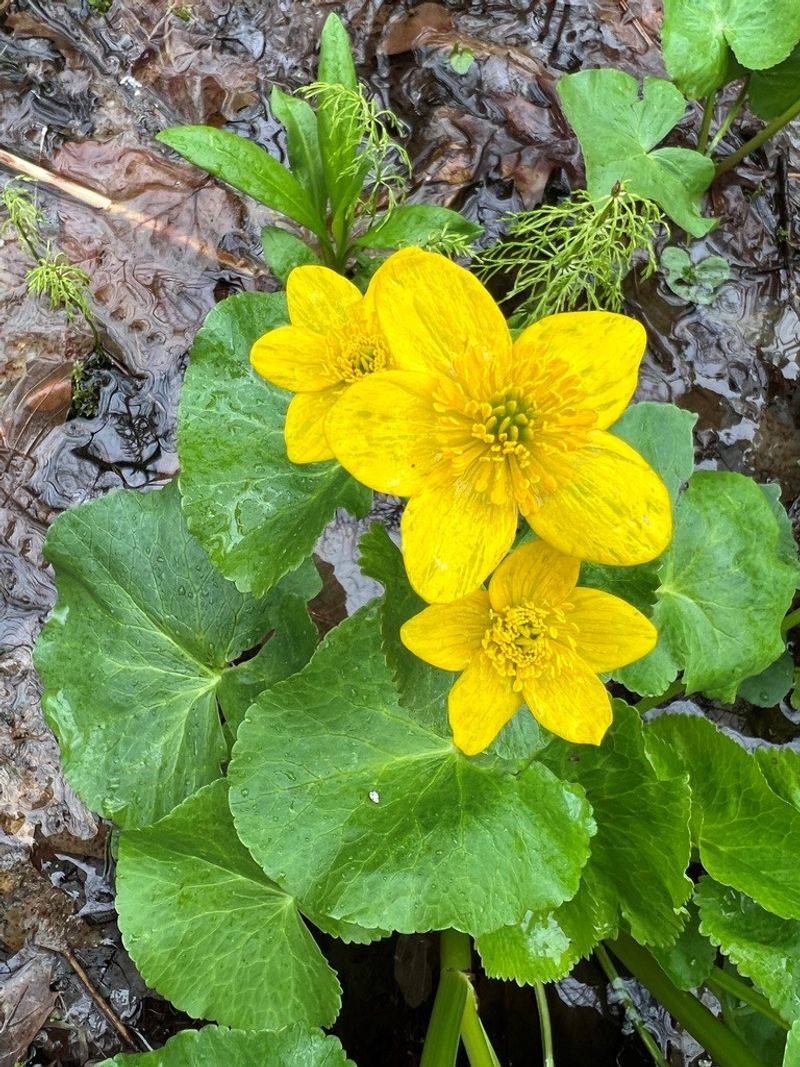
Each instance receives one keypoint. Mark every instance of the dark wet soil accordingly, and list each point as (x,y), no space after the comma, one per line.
(83,94)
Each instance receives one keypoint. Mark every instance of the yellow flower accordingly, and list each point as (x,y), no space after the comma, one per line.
(334,340)
(532,636)
(475,429)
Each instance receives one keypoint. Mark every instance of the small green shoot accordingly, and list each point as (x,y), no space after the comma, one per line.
(65,285)
(461,58)
(574,254)
(99,7)
(698,282)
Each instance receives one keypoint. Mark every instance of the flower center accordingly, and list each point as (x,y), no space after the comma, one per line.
(523,640)
(504,422)
(359,353)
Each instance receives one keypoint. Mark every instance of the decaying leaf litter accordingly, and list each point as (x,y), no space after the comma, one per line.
(84,95)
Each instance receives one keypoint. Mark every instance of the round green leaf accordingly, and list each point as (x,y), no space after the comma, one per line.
(134,651)
(368,816)
(210,931)
(771,92)
(255,513)
(212,1046)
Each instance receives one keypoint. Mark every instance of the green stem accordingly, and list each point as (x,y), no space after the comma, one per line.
(729,119)
(631,1010)
(705,125)
(548,1056)
(756,142)
(720,1043)
(476,1042)
(791,620)
(720,981)
(647,703)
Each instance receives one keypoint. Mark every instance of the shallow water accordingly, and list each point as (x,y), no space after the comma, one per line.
(84,95)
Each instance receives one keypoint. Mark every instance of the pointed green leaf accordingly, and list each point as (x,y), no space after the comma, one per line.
(619,132)
(339,149)
(213,1046)
(424,225)
(764,947)
(371,817)
(208,930)
(748,837)
(246,166)
(698,34)
(302,143)
(256,514)
(134,651)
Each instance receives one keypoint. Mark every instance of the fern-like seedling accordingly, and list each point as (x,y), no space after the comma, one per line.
(65,285)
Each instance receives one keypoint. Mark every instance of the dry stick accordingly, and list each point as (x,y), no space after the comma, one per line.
(105,1008)
(105,203)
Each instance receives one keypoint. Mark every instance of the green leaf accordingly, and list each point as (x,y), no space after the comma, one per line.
(461,58)
(302,144)
(213,1046)
(662,433)
(764,947)
(256,514)
(371,817)
(424,225)
(284,251)
(725,585)
(748,837)
(636,870)
(618,133)
(289,648)
(208,930)
(697,35)
(781,768)
(767,689)
(697,282)
(246,166)
(134,651)
(688,962)
(792,1054)
(336,67)
(771,92)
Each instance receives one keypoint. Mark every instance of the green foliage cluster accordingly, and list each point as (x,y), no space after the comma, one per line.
(268,785)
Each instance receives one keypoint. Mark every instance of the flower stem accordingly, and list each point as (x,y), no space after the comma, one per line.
(647,703)
(756,142)
(631,1010)
(548,1056)
(721,1044)
(730,118)
(705,125)
(791,620)
(455,1010)
(720,981)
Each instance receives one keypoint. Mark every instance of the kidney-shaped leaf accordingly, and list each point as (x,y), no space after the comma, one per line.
(619,132)
(210,931)
(368,816)
(255,513)
(133,653)
(697,35)
(214,1046)
(748,837)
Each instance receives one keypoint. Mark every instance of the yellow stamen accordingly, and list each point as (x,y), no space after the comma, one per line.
(524,640)
(357,352)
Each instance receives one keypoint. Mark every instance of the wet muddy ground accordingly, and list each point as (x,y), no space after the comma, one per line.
(83,94)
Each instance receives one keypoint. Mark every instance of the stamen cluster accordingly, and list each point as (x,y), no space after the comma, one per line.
(523,640)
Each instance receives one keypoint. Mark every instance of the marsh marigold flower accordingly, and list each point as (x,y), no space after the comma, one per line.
(476,429)
(533,637)
(333,341)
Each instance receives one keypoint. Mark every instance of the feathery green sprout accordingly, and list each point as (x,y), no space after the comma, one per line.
(62,282)
(449,242)
(574,254)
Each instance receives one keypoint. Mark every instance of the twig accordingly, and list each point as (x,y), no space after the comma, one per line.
(137,218)
(105,1008)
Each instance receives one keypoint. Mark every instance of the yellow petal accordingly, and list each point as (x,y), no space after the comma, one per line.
(454,537)
(480,704)
(535,572)
(380,430)
(613,508)
(603,349)
(611,632)
(293,358)
(436,316)
(305,426)
(448,635)
(571,702)
(319,298)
